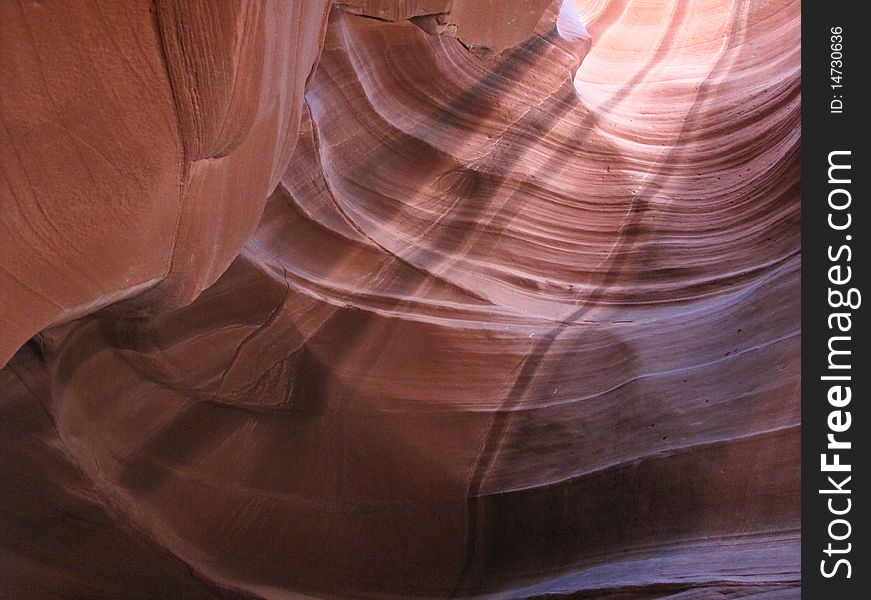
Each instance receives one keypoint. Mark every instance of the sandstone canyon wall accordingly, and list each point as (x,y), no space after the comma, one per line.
(409,299)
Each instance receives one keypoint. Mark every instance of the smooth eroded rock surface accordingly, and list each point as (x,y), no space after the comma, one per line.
(511,324)
(139,142)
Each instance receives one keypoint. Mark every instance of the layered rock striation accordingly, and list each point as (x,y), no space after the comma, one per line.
(381,300)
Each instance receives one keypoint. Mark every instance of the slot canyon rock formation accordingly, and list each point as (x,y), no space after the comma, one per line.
(399,299)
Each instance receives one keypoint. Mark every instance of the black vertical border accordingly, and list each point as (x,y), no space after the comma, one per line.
(822,133)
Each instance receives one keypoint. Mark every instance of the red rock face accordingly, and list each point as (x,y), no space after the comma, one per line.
(462,320)
(484,26)
(139,145)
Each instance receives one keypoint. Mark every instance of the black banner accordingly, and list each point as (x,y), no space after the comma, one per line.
(835,375)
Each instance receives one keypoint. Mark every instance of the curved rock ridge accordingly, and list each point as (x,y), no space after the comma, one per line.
(511,324)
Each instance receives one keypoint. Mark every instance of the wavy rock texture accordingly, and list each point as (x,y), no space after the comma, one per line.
(507,327)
